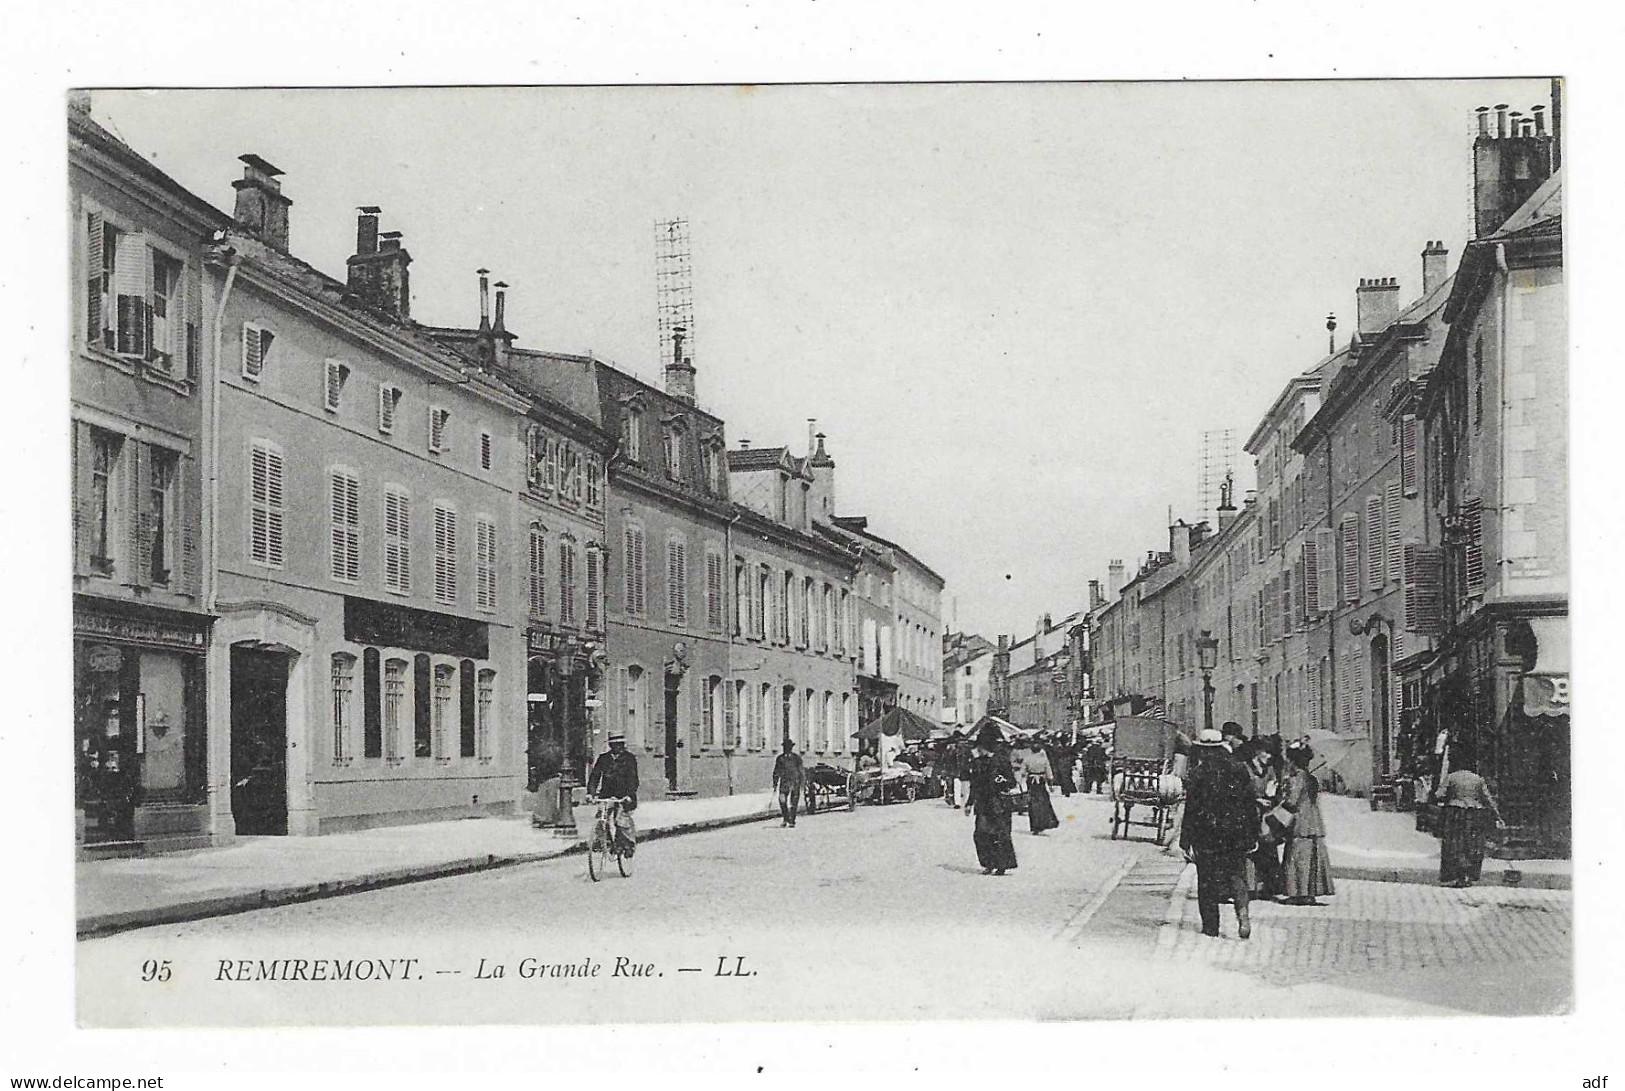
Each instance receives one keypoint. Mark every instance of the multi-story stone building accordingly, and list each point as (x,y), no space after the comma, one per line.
(795,645)
(914,596)
(369,640)
(967,660)
(563,448)
(143,777)
(667,614)
(1489,578)
(1041,683)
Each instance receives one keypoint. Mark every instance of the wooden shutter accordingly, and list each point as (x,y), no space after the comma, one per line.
(194,324)
(445,554)
(595,594)
(386,408)
(138,479)
(1376,537)
(1396,652)
(1424,588)
(95,289)
(1408,468)
(1395,558)
(538,572)
(1287,624)
(189,516)
(1310,580)
(1326,570)
(730,713)
(1357,655)
(1313,683)
(253,351)
(1345,710)
(1350,530)
(84,508)
(640,583)
(1472,512)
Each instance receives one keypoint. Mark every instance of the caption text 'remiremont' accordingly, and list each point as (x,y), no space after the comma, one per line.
(484,969)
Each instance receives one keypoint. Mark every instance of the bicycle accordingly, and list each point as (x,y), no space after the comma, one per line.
(603,842)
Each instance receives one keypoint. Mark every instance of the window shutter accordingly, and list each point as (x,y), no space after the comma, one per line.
(1395,654)
(132,274)
(95,259)
(595,619)
(1408,469)
(84,509)
(1472,512)
(1375,542)
(188,514)
(1357,656)
(1286,603)
(1395,559)
(1325,570)
(538,572)
(638,558)
(1345,708)
(1350,529)
(1424,588)
(193,310)
(1311,576)
(445,554)
(138,478)
(1314,695)
(674,609)
(253,352)
(386,408)
(730,715)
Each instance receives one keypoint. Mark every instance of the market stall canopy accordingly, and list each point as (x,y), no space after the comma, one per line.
(1146,738)
(899,720)
(1002,726)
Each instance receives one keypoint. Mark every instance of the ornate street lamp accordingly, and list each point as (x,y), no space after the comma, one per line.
(1207,657)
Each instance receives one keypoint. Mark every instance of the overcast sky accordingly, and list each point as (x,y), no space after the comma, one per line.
(1013,308)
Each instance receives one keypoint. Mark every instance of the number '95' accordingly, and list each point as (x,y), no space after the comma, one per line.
(153,970)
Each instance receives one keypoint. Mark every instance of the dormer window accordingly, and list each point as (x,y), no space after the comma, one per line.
(632,433)
(673,452)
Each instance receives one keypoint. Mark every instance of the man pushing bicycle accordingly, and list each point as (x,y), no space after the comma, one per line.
(615,776)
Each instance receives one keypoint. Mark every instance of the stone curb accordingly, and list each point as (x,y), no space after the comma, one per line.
(1532,880)
(105,924)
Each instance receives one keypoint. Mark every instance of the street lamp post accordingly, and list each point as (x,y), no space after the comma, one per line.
(1207,657)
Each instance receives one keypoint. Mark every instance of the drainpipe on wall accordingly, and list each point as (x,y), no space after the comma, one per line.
(1330,674)
(217,765)
(728,660)
(211,439)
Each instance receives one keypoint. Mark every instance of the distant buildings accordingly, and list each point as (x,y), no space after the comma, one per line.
(1396,589)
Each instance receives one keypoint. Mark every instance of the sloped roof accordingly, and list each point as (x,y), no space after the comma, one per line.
(755,458)
(1546,203)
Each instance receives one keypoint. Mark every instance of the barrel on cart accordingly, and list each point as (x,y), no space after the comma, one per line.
(1142,775)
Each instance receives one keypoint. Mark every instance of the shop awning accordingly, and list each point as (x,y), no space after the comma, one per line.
(898,720)
(1546,686)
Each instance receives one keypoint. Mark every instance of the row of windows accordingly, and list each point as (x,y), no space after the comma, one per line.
(778,607)
(419,709)
(268,522)
(568,561)
(675,437)
(557,467)
(127,519)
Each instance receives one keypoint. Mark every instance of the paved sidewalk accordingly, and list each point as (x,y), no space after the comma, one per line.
(117,894)
(1385,846)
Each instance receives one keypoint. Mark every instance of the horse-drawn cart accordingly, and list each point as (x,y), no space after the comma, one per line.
(1142,775)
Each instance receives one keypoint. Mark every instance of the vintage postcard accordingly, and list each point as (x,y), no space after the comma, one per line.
(860,552)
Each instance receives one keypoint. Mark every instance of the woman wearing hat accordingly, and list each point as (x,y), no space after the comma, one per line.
(991,783)
(1306,868)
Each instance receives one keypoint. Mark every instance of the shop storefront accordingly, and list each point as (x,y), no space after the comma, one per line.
(564,675)
(139,726)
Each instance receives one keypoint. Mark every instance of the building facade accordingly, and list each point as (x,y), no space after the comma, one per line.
(669,513)
(141,622)
(967,660)
(1490,580)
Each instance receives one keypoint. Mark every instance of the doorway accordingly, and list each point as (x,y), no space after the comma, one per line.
(1381,707)
(259,740)
(672,684)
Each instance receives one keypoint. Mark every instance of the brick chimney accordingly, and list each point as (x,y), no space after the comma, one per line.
(680,368)
(1435,266)
(1376,305)
(1114,577)
(1510,161)
(1096,596)
(261,208)
(377,271)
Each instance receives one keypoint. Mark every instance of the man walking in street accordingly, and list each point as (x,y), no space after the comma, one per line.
(961,762)
(1219,830)
(789,776)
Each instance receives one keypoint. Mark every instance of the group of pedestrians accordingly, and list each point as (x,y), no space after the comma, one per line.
(1252,825)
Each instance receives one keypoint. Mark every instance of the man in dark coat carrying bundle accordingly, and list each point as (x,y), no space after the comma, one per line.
(1220,829)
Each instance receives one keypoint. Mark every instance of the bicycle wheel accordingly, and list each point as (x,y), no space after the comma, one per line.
(598,854)
(624,864)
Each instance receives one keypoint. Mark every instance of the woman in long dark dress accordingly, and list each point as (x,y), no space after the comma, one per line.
(1305,866)
(1040,812)
(1465,811)
(990,786)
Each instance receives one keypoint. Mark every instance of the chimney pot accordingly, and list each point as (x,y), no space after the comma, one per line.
(1500,120)
(502,300)
(261,207)
(1540,119)
(366,229)
(1483,121)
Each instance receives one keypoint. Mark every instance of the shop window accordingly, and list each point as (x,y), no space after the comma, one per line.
(468,736)
(483,728)
(394,703)
(445,678)
(343,681)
